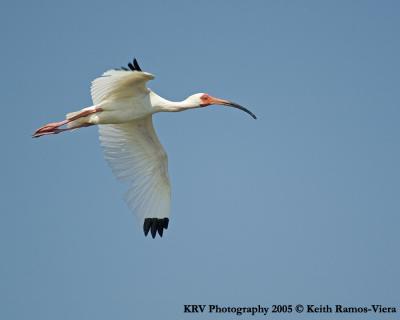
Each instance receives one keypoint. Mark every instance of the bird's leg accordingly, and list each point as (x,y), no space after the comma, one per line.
(56,130)
(53,128)
(49,128)
(84,113)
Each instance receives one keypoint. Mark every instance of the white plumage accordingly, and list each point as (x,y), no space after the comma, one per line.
(135,154)
(123,107)
(119,84)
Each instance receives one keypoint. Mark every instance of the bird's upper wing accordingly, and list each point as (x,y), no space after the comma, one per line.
(135,154)
(116,84)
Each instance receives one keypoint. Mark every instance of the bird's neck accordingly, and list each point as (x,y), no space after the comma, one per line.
(163,105)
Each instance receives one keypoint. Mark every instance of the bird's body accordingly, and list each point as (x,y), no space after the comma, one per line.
(123,107)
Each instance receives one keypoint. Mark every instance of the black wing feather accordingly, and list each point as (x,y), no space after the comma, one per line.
(136,65)
(154,225)
(130,65)
(147,225)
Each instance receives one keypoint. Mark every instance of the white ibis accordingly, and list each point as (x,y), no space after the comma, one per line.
(123,107)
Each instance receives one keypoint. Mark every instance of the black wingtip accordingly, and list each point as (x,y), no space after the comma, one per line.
(136,65)
(160,229)
(146,225)
(154,226)
(165,223)
(130,65)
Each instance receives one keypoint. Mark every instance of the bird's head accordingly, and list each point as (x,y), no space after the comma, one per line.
(204,100)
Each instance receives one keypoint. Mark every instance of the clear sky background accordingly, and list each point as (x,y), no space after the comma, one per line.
(299,206)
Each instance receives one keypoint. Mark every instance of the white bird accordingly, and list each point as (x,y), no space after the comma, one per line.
(123,107)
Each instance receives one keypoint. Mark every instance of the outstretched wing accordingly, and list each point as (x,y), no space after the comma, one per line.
(135,154)
(120,83)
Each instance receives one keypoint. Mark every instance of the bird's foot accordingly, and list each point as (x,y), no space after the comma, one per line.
(54,127)
(50,128)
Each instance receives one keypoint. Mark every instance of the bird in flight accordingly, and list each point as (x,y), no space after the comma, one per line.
(123,108)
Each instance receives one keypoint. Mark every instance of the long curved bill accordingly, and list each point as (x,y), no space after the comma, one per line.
(233,105)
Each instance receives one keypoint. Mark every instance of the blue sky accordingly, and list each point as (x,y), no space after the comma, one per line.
(300,206)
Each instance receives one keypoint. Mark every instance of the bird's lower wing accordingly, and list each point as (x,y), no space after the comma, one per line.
(135,154)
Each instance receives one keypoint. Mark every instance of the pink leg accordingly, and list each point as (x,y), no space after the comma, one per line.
(53,128)
(56,130)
